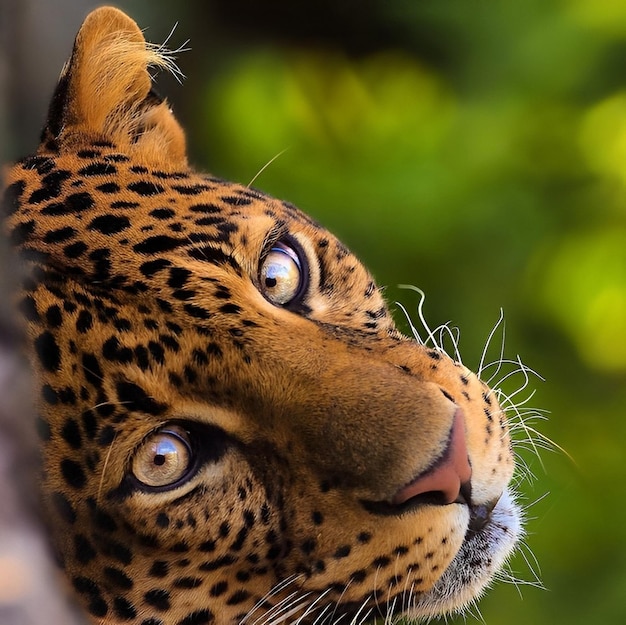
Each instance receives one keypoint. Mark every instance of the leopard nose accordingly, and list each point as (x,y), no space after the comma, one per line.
(447,480)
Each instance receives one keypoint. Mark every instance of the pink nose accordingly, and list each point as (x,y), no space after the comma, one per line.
(446,477)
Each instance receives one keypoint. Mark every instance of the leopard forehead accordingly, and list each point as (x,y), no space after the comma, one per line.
(232,428)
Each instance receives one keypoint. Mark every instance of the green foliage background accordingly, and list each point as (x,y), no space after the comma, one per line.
(481,156)
(476,149)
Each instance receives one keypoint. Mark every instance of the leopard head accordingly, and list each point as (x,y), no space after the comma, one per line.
(232,428)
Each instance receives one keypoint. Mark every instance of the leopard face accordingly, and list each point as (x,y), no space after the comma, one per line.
(232,428)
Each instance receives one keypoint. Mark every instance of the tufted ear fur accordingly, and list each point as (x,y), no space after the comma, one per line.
(105,93)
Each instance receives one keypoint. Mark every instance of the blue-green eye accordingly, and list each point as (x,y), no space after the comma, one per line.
(280,275)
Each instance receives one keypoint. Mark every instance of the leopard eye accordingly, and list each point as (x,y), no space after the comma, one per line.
(164,458)
(281,276)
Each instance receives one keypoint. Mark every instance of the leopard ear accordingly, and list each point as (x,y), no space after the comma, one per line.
(105,94)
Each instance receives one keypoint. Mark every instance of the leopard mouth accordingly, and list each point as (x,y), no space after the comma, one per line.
(483,552)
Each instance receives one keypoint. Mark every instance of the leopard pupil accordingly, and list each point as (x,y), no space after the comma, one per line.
(159,460)
(270,282)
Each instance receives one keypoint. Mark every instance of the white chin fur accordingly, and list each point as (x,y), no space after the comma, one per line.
(481,555)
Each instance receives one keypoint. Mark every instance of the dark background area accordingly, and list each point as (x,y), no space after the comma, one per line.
(474,149)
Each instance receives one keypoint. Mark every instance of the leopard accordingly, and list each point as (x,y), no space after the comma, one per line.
(232,428)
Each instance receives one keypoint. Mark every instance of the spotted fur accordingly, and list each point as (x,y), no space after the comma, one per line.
(318,439)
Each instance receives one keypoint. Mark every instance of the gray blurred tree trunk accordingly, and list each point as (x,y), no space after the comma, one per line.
(30,592)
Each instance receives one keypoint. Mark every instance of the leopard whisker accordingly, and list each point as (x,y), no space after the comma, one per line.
(104,468)
(266,166)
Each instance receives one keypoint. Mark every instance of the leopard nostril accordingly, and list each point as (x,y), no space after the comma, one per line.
(448,479)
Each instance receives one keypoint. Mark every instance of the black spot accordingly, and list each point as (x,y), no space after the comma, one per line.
(98,169)
(87,587)
(342,552)
(106,436)
(236,200)
(84,321)
(447,395)
(162,520)
(162,213)
(183,294)
(64,508)
(28,307)
(67,395)
(88,154)
(207,546)
(149,268)
(124,608)
(48,351)
(164,305)
(158,598)
(213,255)
(213,565)
(146,189)
(358,576)
(116,550)
(109,224)
(170,175)
(54,317)
(158,243)
(200,617)
(157,352)
(51,186)
(191,190)
(308,546)
(209,221)
(141,357)
(218,589)
(90,423)
(108,187)
(197,312)
(75,250)
(230,309)
(83,549)
(134,398)
(22,231)
(42,164)
(112,351)
(91,370)
(317,517)
(73,473)
(71,433)
(159,568)
(12,195)
(178,277)
(49,395)
(101,264)
(123,204)
(206,208)
(117,577)
(364,537)
(75,203)
(238,597)
(242,534)
(59,235)
(187,582)
(174,327)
